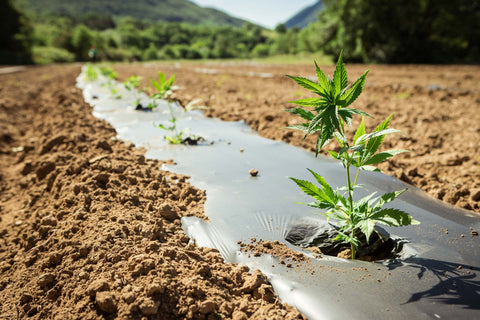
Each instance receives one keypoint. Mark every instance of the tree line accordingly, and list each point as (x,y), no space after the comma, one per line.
(382,31)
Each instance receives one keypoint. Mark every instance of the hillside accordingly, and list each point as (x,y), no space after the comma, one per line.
(305,16)
(155,10)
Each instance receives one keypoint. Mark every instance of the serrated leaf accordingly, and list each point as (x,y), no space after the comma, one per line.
(308,84)
(322,78)
(341,139)
(340,75)
(310,189)
(316,121)
(382,156)
(375,139)
(356,89)
(388,197)
(302,127)
(302,113)
(310,102)
(393,218)
(360,131)
(321,205)
(367,227)
(325,186)
(333,154)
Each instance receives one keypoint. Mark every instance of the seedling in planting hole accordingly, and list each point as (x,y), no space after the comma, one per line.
(164,89)
(326,116)
(91,73)
(177,137)
(131,84)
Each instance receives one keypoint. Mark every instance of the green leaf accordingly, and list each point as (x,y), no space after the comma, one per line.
(170,81)
(340,75)
(310,189)
(360,131)
(311,102)
(302,127)
(322,78)
(367,227)
(393,217)
(310,85)
(352,94)
(356,111)
(325,186)
(371,168)
(302,113)
(375,141)
(388,197)
(333,154)
(316,121)
(161,78)
(341,139)
(382,156)
(156,85)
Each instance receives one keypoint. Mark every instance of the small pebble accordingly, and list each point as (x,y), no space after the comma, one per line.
(253,172)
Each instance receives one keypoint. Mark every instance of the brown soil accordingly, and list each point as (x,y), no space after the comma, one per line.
(436,107)
(90,229)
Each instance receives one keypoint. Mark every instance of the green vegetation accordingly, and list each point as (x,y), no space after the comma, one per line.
(164,91)
(372,31)
(91,73)
(331,111)
(412,31)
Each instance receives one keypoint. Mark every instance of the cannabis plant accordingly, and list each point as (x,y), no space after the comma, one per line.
(327,115)
(91,73)
(164,89)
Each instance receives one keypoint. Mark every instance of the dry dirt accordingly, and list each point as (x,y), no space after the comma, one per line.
(436,107)
(90,229)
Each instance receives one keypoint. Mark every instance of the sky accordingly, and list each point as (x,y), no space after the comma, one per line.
(267,13)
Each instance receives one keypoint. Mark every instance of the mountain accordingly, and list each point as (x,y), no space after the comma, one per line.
(154,10)
(305,16)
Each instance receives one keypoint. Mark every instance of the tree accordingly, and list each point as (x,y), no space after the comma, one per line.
(15,42)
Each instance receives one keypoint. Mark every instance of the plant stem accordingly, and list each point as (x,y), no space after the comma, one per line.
(350,189)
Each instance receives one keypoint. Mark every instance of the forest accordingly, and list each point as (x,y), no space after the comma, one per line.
(369,31)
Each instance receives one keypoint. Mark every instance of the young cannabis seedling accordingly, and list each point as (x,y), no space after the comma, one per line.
(326,116)
(164,89)
(91,73)
(182,136)
(131,84)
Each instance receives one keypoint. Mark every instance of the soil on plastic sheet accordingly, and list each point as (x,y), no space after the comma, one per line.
(436,107)
(90,229)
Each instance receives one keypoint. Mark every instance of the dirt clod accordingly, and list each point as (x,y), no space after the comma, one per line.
(253,172)
(106,301)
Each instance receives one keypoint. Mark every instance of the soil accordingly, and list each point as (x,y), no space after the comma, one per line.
(436,107)
(90,229)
